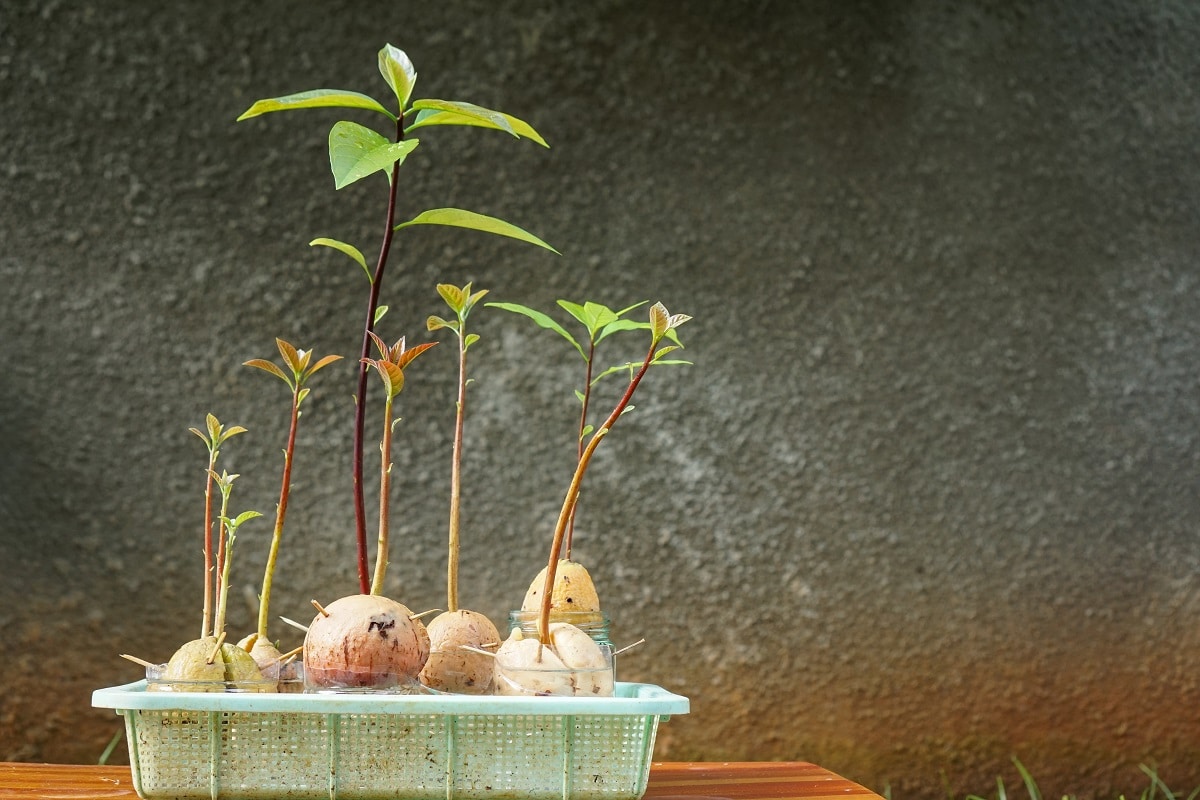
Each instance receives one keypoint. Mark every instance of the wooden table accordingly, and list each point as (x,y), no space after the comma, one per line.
(792,780)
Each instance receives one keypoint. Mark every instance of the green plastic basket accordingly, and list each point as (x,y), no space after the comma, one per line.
(404,747)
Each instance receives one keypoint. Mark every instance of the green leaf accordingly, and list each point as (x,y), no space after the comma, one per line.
(243,517)
(620,325)
(317,98)
(471,339)
(473,299)
(628,366)
(541,319)
(436,323)
(442,116)
(453,296)
(489,118)
(379,313)
(580,397)
(457,217)
(587,430)
(398,71)
(303,393)
(348,249)
(575,310)
(356,151)
(234,431)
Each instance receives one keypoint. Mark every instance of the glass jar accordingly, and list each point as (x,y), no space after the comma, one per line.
(593,623)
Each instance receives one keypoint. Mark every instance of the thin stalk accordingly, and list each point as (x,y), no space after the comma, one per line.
(223,558)
(456,476)
(206,626)
(587,396)
(385,485)
(264,599)
(221,569)
(223,596)
(573,494)
(360,407)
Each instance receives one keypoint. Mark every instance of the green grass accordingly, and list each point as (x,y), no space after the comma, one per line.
(1157,790)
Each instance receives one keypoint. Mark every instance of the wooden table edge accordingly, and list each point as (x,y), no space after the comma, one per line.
(669,780)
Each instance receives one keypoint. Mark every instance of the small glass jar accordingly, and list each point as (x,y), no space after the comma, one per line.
(593,623)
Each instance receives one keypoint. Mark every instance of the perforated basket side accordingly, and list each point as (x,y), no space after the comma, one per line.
(238,755)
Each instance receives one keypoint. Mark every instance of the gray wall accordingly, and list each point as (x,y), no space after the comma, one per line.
(928,497)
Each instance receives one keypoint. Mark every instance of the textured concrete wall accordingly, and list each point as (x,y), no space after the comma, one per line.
(928,497)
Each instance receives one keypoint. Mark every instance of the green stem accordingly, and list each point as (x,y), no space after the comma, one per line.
(264,599)
(456,474)
(206,626)
(568,505)
(223,564)
(385,486)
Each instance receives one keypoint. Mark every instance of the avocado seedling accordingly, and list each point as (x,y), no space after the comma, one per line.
(355,152)
(368,640)
(524,660)
(209,664)
(574,597)
(458,661)
(297,369)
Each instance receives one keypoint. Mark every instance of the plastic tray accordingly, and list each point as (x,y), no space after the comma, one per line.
(404,747)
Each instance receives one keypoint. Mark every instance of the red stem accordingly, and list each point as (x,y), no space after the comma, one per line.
(568,505)
(587,396)
(208,551)
(360,410)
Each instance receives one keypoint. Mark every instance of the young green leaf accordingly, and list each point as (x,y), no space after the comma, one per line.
(430,116)
(317,98)
(487,117)
(398,71)
(454,296)
(457,217)
(242,518)
(436,323)
(471,339)
(348,249)
(379,312)
(356,151)
(542,320)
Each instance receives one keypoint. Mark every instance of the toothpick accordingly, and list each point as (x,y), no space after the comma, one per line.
(320,608)
(629,647)
(137,660)
(290,654)
(216,649)
(424,613)
(476,650)
(295,624)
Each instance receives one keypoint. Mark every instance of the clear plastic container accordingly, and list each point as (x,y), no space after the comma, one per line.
(157,682)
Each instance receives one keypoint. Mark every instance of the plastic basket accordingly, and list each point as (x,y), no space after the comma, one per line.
(405,747)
